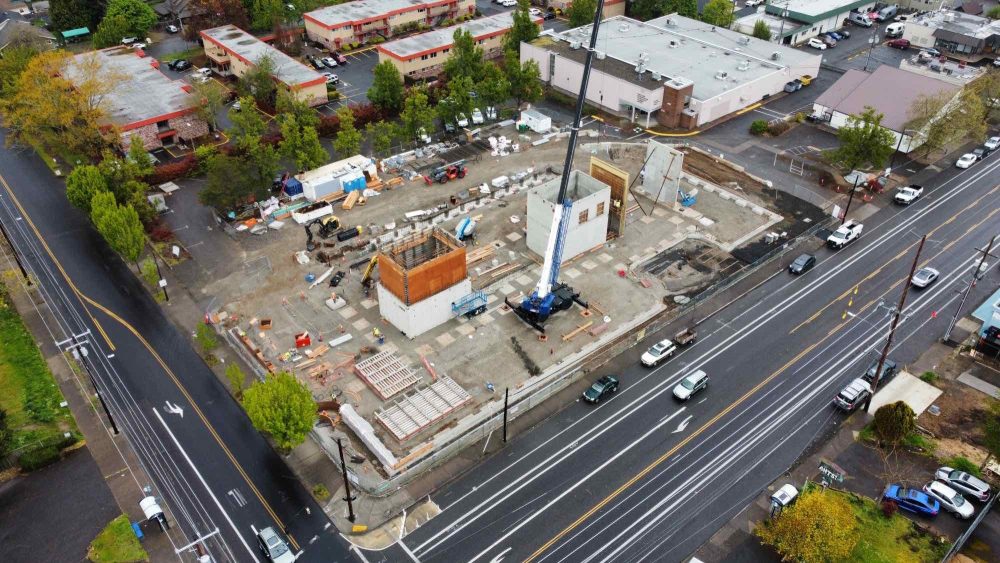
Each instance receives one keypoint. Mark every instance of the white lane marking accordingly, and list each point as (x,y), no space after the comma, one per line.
(357,550)
(579,482)
(684,424)
(501,555)
(173,409)
(475,513)
(408,552)
(204,484)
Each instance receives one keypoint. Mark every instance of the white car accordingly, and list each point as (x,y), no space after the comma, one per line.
(690,385)
(751,3)
(535,12)
(477,117)
(129,40)
(658,352)
(508,3)
(964,483)
(950,499)
(993,143)
(909,194)
(462,120)
(847,233)
(331,78)
(966,160)
(924,277)
(273,547)
(237,105)
(784,496)
(172,29)
(329,62)
(138,46)
(816,43)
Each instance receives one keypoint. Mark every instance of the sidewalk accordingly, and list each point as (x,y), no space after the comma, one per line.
(112,453)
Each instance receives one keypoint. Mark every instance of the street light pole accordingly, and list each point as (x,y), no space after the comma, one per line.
(968,290)
(871,47)
(850,199)
(892,327)
(347,482)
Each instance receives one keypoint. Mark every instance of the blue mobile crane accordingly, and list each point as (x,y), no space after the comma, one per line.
(551,295)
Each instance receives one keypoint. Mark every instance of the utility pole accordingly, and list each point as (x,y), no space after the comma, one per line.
(895,321)
(506,397)
(972,283)
(872,42)
(17,257)
(850,199)
(347,482)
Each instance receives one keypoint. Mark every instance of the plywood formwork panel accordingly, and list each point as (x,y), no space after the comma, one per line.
(423,407)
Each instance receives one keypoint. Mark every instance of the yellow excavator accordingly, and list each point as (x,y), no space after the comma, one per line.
(328,227)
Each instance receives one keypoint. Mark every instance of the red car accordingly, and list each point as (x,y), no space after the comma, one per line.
(899,43)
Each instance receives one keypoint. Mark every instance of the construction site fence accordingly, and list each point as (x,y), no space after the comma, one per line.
(482,426)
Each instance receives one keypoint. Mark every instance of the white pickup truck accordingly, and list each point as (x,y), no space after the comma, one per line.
(909,194)
(846,234)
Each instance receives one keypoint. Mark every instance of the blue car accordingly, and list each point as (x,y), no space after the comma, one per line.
(912,500)
(835,35)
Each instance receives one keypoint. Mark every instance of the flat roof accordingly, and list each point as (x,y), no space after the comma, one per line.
(959,23)
(250,50)
(361,11)
(777,24)
(145,95)
(889,90)
(676,47)
(812,11)
(423,43)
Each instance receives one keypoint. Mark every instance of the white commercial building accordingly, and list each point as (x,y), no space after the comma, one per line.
(960,35)
(588,223)
(805,19)
(684,72)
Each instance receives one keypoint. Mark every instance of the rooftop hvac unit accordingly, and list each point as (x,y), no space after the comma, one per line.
(775,56)
(671,22)
(721,75)
(744,66)
(673,44)
(599,54)
(655,76)
(574,45)
(745,40)
(623,27)
(640,68)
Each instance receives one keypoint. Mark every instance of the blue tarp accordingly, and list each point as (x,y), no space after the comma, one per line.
(292,187)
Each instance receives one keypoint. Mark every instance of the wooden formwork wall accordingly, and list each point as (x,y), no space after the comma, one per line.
(424,280)
(617,180)
(391,276)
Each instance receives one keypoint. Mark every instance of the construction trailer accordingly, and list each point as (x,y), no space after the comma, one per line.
(420,277)
(344,176)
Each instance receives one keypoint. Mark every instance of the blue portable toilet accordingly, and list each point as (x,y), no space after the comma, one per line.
(293,188)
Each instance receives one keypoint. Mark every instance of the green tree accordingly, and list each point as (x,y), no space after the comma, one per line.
(494,89)
(718,13)
(994,13)
(206,337)
(13,62)
(72,14)
(525,78)
(141,163)
(248,125)
(282,407)
(139,15)
(646,9)
(348,141)
(819,527)
(987,86)
(686,8)
(523,27)
(82,184)
(417,114)
(864,140)
(466,58)
(761,30)
(119,225)
(382,135)
(303,113)
(893,423)
(264,14)
(211,98)
(228,183)
(944,121)
(458,94)
(991,433)
(387,88)
(258,83)
(237,379)
(260,159)
(300,143)
(581,12)
(6,434)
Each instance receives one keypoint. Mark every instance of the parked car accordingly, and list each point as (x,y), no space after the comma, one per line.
(477,117)
(993,143)
(950,499)
(179,65)
(237,106)
(846,234)
(331,78)
(129,40)
(549,16)
(341,59)
(844,33)
(690,385)
(924,277)
(138,46)
(752,3)
(802,264)
(449,127)
(329,62)
(980,152)
(660,351)
(491,113)
(785,495)
(912,500)
(462,120)
(830,42)
(274,547)
(909,194)
(201,75)
(889,370)
(816,43)
(601,388)
(172,28)
(894,30)
(899,44)
(966,160)
(508,3)
(805,79)
(964,483)
(851,397)
(535,12)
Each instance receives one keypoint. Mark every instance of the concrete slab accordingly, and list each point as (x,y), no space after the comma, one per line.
(514,237)
(646,219)
(675,220)
(507,289)
(524,280)
(465,329)
(909,389)
(361,324)
(980,385)
(445,339)
(571,273)
(604,257)
(348,312)
(588,265)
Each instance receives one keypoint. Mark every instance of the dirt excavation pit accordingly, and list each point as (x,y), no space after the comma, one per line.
(689,267)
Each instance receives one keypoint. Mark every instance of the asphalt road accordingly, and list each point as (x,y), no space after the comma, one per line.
(644,478)
(210,467)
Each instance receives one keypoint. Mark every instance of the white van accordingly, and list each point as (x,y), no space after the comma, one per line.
(858,18)
(894,30)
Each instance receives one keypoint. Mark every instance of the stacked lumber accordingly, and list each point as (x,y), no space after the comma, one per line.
(479,254)
(569,335)
(352,198)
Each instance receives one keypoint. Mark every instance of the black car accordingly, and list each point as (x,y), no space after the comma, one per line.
(844,33)
(179,65)
(802,264)
(601,388)
(549,16)
(889,370)
(449,127)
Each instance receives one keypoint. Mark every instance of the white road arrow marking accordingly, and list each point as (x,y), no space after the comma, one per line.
(173,409)
(501,555)
(684,424)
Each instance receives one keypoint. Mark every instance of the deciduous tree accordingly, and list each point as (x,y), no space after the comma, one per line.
(137,16)
(943,120)
(258,82)
(761,30)
(264,14)
(466,58)
(14,61)
(523,27)
(282,407)
(525,78)
(417,114)
(686,8)
(73,14)
(495,86)
(228,183)
(213,13)
(210,98)
(348,141)
(987,86)
(820,526)
(119,225)
(646,9)
(893,423)
(991,432)
(387,88)
(82,184)
(237,379)
(382,135)
(863,140)
(300,143)
(718,12)
(581,12)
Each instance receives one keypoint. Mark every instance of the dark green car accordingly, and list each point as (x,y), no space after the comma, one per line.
(600,389)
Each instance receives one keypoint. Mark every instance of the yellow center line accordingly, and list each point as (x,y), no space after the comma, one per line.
(152,351)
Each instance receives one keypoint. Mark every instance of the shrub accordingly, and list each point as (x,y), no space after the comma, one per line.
(39,458)
(365,114)
(929,377)
(320,491)
(172,170)
(148,269)
(201,156)
(889,508)
(963,463)
(206,337)
(800,117)
(758,127)
(328,125)
(778,127)
(160,231)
